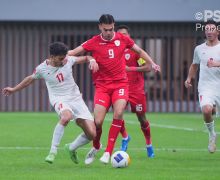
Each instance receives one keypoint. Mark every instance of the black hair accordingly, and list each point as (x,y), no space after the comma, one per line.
(58,49)
(211,21)
(123,27)
(106,19)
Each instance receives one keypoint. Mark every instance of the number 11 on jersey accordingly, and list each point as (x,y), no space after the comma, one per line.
(60,77)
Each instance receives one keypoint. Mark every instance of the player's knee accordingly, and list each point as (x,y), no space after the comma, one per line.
(92,135)
(141,117)
(98,124)
(118,114)
(207,110)
(64,120)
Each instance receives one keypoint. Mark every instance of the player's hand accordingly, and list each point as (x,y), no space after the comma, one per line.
(93,65)
(188,84)
(7,91)
(156,68)
(131,68)
(127,68)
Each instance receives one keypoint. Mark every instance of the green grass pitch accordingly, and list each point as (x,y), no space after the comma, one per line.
(180,142)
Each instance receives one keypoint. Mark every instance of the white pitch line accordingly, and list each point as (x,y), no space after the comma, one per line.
(130,149)
(133,149)
(169,127)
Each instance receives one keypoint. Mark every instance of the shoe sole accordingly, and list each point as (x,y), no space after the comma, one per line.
(50,162)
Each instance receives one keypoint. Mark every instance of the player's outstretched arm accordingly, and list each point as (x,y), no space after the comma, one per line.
(143,54)
(192,73)
(92,62)
(145,67)
(213,63)
(26,82)
(77,51)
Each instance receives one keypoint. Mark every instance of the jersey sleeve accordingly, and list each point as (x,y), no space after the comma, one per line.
(88,45)
(129,42)
(196,59)
(37,73)
(71,60)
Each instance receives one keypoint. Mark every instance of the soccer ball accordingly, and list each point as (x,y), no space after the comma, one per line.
(120,159)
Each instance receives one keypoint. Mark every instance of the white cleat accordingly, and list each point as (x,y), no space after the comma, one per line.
(90,157)
(105,158)
(212,143)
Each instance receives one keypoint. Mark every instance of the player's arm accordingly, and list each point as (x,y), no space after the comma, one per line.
(213,63)
(92,62)
(143,66)
(192,73)
(143,54)
(78,50)
(23,84)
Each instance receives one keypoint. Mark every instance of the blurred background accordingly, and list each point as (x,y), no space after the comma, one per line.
(165,29)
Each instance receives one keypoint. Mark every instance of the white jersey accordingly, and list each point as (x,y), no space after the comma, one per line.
(209,78)
(59,81)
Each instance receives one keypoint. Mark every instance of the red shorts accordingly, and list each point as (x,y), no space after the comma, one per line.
(138,102)
(107,92)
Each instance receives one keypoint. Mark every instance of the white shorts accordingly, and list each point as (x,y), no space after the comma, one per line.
(77,107)
(209,98)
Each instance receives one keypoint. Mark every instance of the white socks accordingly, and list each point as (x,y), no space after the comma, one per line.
(211,128)
(57,136)
(125,138)
(79,141)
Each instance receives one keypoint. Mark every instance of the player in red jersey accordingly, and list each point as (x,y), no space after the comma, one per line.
(111,83)
(135,66)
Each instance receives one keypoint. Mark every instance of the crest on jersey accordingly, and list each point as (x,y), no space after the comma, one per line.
(117,42)
(127,56)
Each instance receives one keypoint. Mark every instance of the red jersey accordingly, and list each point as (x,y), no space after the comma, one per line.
(108,54)
(135,79)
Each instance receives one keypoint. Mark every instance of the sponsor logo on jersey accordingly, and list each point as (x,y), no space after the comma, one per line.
(127,56)
(102,43)
(100,100)
(117,42)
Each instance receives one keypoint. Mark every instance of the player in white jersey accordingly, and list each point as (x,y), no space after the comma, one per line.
(64,96)
(209,79)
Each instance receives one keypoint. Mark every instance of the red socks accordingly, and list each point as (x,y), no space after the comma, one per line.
(113,134)
(123,130)
(146,131)
(96,141)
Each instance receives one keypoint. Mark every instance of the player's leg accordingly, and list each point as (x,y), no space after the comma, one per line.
(89,133)
(209,123)
(139,106)
(125,137)
(114,130)
(99,115)
(65,116)
(85,120)
(207,102)
(145,128)
(119,99)
(102,103)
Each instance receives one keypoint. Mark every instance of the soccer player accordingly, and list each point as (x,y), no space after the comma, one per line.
(64,96)
(111,83)
(135,66)
(209,79)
